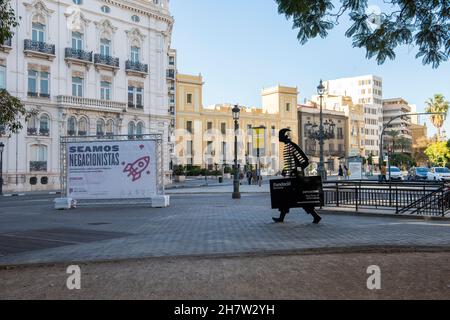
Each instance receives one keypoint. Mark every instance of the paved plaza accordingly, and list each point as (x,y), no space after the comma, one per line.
(31,231)
(208,246)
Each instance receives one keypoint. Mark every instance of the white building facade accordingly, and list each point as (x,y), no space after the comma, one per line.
(367,91)
(88,68)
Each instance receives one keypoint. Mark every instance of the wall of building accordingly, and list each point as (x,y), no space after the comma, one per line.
(150,31)
(367,91)
(212,134)
(392,109)
(335,148)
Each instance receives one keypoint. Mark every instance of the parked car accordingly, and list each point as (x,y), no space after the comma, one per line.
(417,174)
(439,174)
(395,173)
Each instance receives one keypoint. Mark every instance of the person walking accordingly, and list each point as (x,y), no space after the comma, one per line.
(341,173)
(249,177)
(383,173)
(347,173)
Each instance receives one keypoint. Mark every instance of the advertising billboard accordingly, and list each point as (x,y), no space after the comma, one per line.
(111,170)
(259,141)
(355,170)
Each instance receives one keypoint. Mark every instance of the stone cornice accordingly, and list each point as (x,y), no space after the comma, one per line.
(141,7)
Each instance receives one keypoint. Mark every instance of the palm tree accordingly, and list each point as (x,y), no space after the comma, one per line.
(405,144)
(394,134)
(438,105)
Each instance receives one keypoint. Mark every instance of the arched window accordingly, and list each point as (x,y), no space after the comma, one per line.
(139,129)
(100,127)
(72,126)
(38,158)
(131,130)
(105,9)
(32,126)
(83,127)
(44,125)
(110,128)
(135,18)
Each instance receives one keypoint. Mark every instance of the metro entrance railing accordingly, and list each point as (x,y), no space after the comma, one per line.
(428,199)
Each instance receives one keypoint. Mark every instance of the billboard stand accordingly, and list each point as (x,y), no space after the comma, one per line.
(110,170)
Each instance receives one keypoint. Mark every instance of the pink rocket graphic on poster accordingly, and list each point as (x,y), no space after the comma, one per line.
(136,168)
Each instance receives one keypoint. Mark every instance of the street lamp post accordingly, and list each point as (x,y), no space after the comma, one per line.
(321,169)
(236,112)
(2,146)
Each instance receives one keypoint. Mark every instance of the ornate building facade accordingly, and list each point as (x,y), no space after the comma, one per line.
(88,68)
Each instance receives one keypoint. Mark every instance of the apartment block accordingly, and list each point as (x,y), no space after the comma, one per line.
(366,91)
(398,136)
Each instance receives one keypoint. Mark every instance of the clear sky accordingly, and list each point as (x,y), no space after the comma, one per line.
(242,46)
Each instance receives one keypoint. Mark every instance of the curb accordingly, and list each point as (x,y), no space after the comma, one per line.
(375,249)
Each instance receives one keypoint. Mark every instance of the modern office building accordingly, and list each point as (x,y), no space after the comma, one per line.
(205,135)
(89,68)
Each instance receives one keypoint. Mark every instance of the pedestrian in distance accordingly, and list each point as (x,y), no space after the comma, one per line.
(341,173)
(347,173)
(249,177)
(383,173)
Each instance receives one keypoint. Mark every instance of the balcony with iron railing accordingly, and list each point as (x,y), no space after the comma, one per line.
(136,68)
(78,56)
(91,104)
(108,62)
(38,166)
(6,46)
(39,49)
(171,74)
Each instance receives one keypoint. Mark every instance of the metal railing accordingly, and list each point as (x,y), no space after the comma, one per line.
(413,198)
(78,54)
(136,66)
(106,60)
(170,74)
(428,205)
(37,46)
